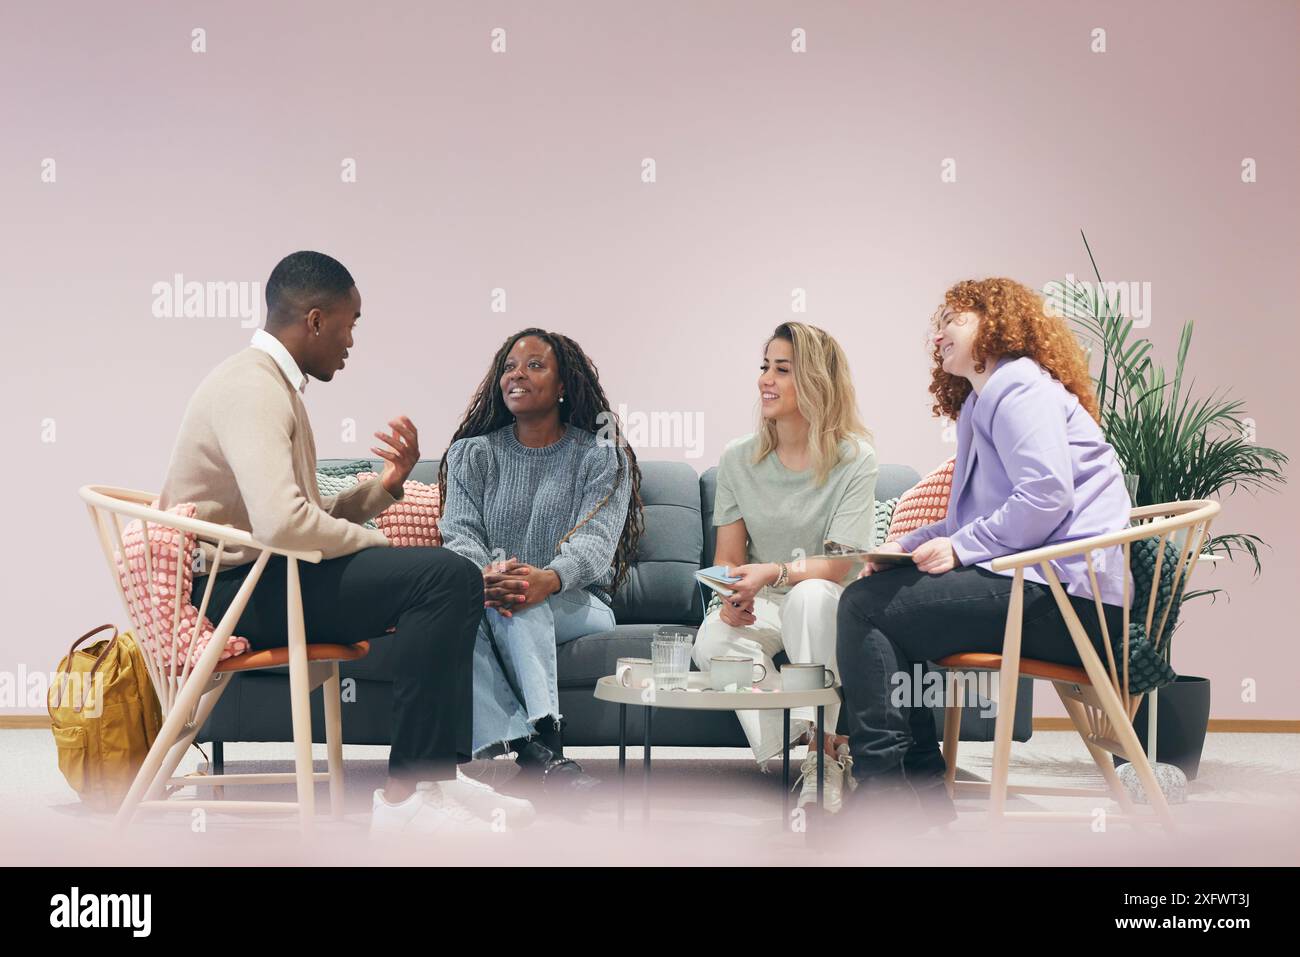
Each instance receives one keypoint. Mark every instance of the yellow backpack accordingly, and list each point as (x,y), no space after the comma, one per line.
(105,715)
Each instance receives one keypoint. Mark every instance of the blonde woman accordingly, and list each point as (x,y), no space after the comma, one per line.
(807,475)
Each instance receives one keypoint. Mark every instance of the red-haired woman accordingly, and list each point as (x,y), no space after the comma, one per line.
(1032,469)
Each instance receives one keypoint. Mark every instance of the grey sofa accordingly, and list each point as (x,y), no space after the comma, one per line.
(661,590)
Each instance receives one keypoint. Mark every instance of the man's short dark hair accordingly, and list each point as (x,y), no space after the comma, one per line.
(306,279)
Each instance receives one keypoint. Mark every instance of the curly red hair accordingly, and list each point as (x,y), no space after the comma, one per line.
(1013,323)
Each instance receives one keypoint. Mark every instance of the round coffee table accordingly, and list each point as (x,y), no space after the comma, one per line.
(698,696)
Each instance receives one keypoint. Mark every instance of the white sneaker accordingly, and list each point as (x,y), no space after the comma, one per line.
(832,784)
(427,811)
(846,762)
(487,803)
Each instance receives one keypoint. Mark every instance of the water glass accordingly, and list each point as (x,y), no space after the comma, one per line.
(671,653)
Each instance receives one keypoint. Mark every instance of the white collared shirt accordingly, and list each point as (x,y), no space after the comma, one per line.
(274,348)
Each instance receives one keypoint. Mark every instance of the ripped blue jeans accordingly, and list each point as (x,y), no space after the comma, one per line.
(527,641)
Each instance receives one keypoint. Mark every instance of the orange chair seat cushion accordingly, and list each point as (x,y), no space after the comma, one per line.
(274,657)
(1029,667)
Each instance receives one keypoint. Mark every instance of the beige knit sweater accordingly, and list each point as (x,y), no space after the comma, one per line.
(245,457)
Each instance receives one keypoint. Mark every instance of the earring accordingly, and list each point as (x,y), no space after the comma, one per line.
(561,398)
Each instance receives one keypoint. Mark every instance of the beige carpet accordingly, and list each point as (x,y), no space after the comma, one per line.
(706,806)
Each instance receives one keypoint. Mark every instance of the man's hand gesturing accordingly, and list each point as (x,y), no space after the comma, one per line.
(401,455)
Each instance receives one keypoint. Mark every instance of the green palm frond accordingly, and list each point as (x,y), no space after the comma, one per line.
(1180,445)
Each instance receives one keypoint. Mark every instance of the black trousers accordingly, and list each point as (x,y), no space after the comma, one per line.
(433,597)
(894,620)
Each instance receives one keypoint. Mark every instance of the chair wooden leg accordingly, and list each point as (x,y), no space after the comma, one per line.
(300,700)
(1128,739)
(1008,681)
(952,728)
(144,778)
(334,738)
(1108,698)
(1105,763)
(187,701)
(216,688)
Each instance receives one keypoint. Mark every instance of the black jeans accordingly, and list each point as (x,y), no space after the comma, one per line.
(893,620)
(433,597)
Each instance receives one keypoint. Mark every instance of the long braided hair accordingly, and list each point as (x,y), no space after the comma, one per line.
(584,407)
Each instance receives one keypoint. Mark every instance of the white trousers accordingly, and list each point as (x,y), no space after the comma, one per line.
(802,623)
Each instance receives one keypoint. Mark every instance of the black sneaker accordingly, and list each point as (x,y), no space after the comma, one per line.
(884,804)
(926,774)
(556,773)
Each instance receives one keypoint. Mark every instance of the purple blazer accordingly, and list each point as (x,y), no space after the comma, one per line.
(1033,469)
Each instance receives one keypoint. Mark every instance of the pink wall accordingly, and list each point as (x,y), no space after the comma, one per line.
(522,170)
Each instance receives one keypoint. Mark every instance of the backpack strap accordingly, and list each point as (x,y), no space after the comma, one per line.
(66,675)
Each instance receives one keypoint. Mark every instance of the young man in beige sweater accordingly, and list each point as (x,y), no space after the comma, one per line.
(245,457)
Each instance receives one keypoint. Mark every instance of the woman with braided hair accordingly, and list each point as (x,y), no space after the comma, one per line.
(540,491)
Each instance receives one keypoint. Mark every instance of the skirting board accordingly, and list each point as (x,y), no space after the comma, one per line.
(1217,725)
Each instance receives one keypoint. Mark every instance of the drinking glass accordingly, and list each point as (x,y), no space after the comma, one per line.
(670,651)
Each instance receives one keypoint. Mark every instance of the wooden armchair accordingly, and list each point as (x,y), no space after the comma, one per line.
(1097,696)
(189,685)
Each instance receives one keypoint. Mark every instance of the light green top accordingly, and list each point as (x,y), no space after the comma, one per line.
(787,514)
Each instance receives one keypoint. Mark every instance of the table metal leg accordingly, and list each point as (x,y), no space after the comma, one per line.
(785,768)
(821,756)
(218,767)
(645,775)
(622,762)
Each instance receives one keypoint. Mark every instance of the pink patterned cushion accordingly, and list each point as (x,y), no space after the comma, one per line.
(922,504)
(158,604)
(413,520)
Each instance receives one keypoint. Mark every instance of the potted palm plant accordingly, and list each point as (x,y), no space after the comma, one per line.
(1174,445)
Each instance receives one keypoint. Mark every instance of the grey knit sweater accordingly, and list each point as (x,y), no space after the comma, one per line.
(505,499)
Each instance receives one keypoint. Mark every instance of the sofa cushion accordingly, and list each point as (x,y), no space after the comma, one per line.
(884,516)
(894,480)
(661,583)
(923,504)
(341,469)
(581,661)
(413,520)
(425,470)
(336,477)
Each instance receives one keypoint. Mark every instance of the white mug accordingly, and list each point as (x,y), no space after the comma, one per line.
(799,676)
(733,672)
(634,672)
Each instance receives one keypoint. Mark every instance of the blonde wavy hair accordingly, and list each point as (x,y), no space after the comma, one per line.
(1013,323)
(825,396)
